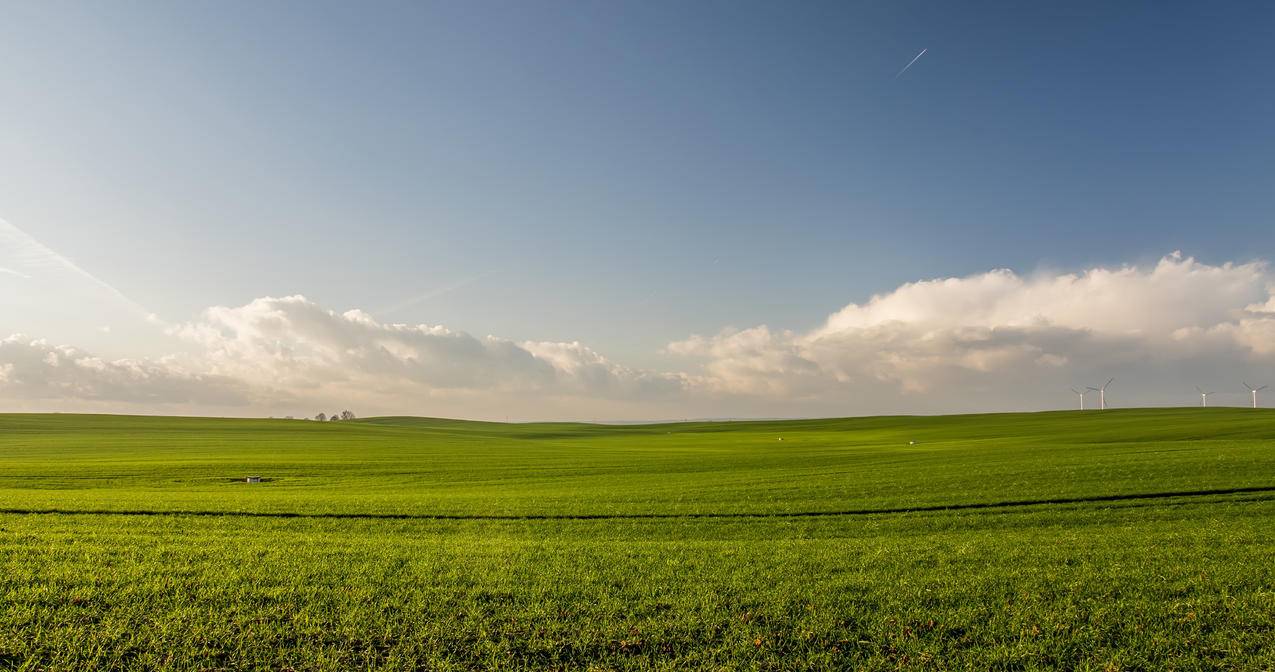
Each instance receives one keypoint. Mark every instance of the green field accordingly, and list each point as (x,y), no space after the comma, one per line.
(1130,540)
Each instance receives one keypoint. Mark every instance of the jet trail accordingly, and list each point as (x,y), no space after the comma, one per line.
(914,60)
(433,293)
(30,253)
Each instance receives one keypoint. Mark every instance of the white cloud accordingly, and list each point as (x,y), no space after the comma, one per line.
(997,340)
(1002,328)
(291,352)
(584,371)
(33,370)
(1176,293)
(293,344)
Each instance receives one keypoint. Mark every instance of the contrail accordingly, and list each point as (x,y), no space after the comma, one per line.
(31,253)
(914,60)
(436,292)
(10,271)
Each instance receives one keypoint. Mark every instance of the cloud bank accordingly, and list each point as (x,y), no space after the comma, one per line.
(936,337)
(991,341)
(296,346)
(35,370)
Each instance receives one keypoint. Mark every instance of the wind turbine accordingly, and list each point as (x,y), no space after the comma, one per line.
(1204,396)
(1102,394)
(1254,391)
(1081,394)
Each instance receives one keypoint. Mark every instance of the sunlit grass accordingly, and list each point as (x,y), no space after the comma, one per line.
(1126,540)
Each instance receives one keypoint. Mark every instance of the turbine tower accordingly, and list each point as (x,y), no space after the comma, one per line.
(1102,394)
(1081,394)
(1254,391)
(1204,396)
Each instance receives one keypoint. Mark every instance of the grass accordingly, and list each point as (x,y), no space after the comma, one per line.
(1130,540)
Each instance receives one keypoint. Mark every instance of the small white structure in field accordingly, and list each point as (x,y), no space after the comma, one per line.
(911,443)
(252,479)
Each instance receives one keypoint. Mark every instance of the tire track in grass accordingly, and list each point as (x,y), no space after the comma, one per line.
(1009,504)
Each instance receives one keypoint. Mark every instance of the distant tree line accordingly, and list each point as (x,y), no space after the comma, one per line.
(343,415)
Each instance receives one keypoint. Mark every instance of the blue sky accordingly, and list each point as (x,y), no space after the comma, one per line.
(620,174)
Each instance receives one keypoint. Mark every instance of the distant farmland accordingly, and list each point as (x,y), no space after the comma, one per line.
(1121,540)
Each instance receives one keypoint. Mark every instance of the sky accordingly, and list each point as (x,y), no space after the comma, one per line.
(633,210)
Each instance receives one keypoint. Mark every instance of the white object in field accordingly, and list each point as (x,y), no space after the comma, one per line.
(253,479)
(911,443)
(1204,397)
(1254,391)
(781,438)
(1102,394)
(1081,394)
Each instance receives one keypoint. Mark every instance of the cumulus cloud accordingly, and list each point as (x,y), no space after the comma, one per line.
(291,351)
(292,343)
(1010,329)
(1175,293)
(995,340)
(35,370)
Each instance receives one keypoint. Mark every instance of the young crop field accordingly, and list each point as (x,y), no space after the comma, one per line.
(1115,540)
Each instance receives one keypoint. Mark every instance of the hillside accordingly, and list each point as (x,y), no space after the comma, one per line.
(427,467)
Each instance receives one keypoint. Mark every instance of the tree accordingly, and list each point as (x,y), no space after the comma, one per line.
(334,417)
(320,417)
(347,415)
